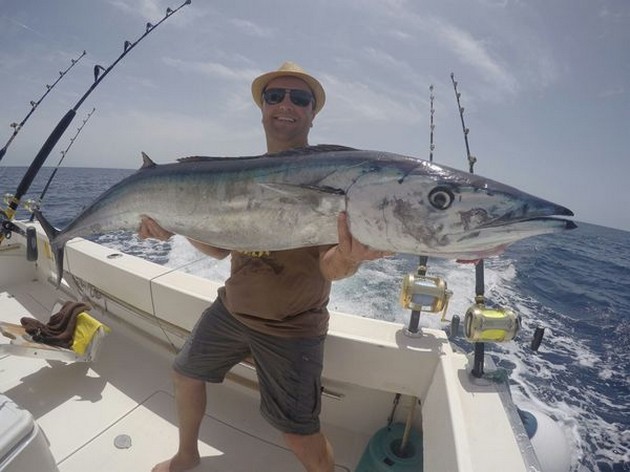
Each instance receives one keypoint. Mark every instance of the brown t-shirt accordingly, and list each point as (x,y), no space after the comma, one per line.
(282,293)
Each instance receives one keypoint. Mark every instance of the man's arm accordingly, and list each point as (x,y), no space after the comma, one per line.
(343,260)
(211,251)
(149,228)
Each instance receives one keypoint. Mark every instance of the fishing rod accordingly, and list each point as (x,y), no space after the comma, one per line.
(432,127)
(100,73)
(64,153)
(483,324)
(421,293)
(34,104)
(471,159)
(477,370)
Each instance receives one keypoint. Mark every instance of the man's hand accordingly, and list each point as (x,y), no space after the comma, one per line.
(350,248)
(343,260)
(149,228)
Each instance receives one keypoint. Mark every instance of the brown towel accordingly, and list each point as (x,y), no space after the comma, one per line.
(59,329)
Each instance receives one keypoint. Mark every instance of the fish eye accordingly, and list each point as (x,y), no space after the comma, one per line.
(441,198)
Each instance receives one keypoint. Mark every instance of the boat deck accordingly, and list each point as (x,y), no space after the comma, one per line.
(85,409)
(82,408)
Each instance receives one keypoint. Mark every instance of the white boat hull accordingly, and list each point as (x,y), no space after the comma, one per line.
(466,424)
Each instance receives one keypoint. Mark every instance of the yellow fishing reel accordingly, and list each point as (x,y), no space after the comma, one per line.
(482,324)
(7,198)
(423,293)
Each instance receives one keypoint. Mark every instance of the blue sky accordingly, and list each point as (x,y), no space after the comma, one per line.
(545,83)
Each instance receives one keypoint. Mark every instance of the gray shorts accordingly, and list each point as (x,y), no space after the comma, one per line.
(289,369)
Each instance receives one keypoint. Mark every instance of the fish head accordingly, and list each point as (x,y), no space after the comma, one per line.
(438,211)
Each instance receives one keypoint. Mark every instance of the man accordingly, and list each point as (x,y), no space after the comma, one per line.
(273,299)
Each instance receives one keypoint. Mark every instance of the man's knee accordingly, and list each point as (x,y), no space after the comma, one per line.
(298,442)
(181,380)
(312,450)
(308,443)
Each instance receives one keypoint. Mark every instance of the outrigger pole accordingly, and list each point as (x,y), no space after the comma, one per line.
(99,74)
(64,153)
(34,104)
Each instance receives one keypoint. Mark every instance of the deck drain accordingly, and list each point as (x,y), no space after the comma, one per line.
(122,441)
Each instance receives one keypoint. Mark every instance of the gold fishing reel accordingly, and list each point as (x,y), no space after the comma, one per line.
(424,293)
(482,324)
(8,198)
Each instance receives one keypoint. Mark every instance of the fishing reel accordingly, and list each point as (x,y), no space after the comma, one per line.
(7,228)
(424,293)
(482,324)
(31,205)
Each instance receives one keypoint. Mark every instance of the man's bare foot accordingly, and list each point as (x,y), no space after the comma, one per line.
(177,464)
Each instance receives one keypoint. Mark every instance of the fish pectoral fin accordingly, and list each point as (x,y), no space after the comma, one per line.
(299,191)
(324,200)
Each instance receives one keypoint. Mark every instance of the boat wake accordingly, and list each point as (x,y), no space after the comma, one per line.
(568,379)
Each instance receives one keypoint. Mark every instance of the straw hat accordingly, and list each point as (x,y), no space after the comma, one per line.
(289,69)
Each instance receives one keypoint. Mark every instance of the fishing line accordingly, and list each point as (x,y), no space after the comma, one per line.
(34,104)
(100,73)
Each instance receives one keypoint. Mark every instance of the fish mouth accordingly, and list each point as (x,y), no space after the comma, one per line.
(547,215)
(561,223)
(505,232)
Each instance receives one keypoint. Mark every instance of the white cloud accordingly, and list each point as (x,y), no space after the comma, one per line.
(444,37)
(357,101)
(146,9)
(251,29)
(475,54)
(213,69)
(166,136)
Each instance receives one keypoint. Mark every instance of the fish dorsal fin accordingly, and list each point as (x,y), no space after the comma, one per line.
(147,162)
(302,151)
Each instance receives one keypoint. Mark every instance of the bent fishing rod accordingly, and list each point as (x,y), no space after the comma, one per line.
(34,104)
(64,153)
(100,73)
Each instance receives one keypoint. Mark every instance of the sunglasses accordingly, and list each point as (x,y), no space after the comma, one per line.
(301,98)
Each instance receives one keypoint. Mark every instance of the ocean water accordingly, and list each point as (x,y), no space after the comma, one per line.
(576,285)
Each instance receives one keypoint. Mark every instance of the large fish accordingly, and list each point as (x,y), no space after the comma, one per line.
(292,199)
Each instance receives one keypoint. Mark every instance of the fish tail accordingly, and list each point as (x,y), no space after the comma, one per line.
(57,247)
